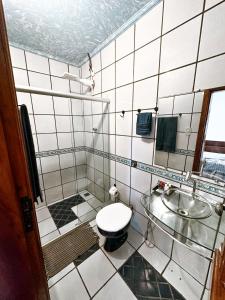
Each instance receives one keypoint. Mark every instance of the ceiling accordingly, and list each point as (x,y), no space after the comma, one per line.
(68,29)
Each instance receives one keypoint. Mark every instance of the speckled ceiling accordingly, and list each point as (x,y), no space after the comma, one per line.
(67,29)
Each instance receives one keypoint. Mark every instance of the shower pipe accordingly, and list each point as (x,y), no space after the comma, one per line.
(34,90)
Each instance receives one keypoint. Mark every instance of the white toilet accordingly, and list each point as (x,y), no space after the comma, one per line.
(113,222)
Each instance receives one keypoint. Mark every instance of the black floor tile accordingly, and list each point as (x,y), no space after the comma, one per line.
(62,213)
(84,256)
(145,282)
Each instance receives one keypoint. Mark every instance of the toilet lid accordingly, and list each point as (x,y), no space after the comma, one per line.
(113,217)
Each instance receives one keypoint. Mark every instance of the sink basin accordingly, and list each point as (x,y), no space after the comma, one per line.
(187,204)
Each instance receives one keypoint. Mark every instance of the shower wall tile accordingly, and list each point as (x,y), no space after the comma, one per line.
(23,98)
(145,93)
(176,82)
(148,27)
(53,122)
(37,63)
(41,81)
(179,47)
(212,34)
(60,85)
(108,78)
(47,142)
(20,76)
(185,10)
(124,70)
(57,68)
(18,57)
(108,55)
(147,61)
(42,104)
(124,97)
(125,43)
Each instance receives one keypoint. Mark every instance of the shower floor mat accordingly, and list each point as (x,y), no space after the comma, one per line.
(65,249)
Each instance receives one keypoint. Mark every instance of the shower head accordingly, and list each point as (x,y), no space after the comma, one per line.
(87,82)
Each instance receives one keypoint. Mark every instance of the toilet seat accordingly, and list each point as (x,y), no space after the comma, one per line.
(113,217)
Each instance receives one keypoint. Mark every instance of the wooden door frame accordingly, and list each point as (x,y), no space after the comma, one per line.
(202,126)
(15,184)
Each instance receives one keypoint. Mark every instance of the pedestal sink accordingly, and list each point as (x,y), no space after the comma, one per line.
(186,204)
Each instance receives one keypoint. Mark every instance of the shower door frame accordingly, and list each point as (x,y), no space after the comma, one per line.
(22,272)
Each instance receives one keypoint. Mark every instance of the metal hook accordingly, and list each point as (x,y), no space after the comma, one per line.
(123,113)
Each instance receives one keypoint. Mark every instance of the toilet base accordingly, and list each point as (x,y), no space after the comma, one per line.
(114,243)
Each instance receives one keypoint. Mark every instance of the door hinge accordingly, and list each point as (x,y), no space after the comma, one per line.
(26,205)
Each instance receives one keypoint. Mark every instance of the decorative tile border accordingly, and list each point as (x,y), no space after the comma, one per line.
(59,151)
(185,152)
(170,175)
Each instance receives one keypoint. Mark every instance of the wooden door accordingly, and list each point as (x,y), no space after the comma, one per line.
(22,274)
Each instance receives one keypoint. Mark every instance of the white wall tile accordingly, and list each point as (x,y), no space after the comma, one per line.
(57,68)
(42,104)
(210,3)
(59,84)
(213,31)
(165,105)
(20,77)
(142,150)
(124,70)
(125,43)
(63,123)
(147,60)
(108,55)
(183,103)
(52,179)
(139,223)
(122,173)
(148,27)
(77,107)
(210,73)
(45,124)
(124,125)
(54,194)
(50,163)
(37,63)
(123,146)
(67,160)
(111,106)
(140,180)
(184,122)
(17,57)
(96,62)
(65,140)
(124,97)
(180,46)
(62,106)
(145,92)
(47,142)
(39,80)
(24,98)
(198,100)
(108,78)
(176,161)
(178,11)
(176,82)
(98,83)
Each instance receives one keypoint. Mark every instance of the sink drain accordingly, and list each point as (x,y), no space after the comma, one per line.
(182,212)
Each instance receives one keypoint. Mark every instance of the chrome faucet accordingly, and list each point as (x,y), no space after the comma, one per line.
(194,180)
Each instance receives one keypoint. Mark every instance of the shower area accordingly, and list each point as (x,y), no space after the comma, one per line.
(70,125)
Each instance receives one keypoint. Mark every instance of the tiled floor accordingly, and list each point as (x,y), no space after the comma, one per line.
(134,271)
(62,216)
(123,274)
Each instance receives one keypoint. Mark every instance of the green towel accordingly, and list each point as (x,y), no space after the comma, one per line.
(166,134)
